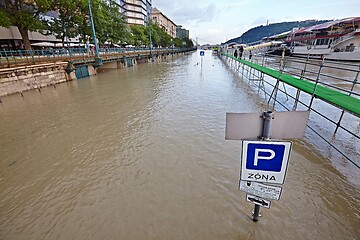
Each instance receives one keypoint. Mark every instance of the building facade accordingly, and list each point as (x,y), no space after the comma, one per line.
(137,12)
(163,21)
(182,32)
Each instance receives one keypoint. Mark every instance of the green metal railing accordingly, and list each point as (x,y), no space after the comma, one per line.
(330,90)
(12,58)
(339,97)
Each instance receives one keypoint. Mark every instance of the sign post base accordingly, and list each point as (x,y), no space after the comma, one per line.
(256,214)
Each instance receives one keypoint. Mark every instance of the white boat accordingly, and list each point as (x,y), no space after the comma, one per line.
(335,40)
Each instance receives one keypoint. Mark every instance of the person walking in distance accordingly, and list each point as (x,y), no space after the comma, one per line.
(241,50)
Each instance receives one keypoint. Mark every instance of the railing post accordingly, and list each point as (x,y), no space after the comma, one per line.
(7,59)
(316,83)
(352,88)
(301,77)
(266,132)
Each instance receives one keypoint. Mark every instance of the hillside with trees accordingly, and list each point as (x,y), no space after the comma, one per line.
(257,33)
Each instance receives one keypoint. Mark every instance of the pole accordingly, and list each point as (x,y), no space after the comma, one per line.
(172,42)
(98,60)
(256,213)
(149,24)
(266,131)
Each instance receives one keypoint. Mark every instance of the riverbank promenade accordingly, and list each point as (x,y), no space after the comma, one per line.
(22,70)
(18,58)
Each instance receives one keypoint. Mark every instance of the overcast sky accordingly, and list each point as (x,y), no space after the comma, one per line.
(215,21)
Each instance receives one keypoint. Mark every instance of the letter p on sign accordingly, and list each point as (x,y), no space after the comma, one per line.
(258,155)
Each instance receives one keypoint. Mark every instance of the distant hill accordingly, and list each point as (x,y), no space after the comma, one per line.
(257,33)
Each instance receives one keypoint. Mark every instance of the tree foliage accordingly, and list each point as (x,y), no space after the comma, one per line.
(183,42)
(72,19)
(139,35)
(69,17)
(109,23)
(26,15)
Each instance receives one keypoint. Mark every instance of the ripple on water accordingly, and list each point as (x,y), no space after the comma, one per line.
(139,153)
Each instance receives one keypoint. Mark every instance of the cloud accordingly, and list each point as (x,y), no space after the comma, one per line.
(259,21)
(186,11)
(214,31)
(195,14)
(234,5)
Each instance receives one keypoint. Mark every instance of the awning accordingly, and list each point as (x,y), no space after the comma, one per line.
(43,44)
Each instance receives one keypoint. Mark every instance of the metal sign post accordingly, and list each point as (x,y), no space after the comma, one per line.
(202,53)
(264,161)
(267,116)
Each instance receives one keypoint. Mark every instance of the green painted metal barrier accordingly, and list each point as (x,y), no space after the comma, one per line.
(344,101)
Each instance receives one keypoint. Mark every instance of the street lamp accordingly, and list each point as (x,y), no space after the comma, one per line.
(172,40)
(149,24)
(98,61)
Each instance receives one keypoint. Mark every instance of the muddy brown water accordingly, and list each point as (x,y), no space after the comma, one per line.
(139,153)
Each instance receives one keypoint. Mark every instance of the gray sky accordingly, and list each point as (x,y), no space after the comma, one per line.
(215,21)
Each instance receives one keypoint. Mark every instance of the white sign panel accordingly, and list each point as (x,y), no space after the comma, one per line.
(264,161)
(260,190)
(285,125)
(258,201)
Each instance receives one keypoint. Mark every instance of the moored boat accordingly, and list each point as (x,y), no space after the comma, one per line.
(334,40)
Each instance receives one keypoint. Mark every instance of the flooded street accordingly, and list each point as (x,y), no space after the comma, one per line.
(139,153)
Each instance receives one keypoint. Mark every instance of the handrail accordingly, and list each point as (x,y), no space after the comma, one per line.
(18,57)
(339,114)
(342,38)
(344,101)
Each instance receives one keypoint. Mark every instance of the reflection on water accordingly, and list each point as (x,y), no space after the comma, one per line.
(139,153)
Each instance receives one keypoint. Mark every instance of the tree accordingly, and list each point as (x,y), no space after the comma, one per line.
(69,17)
(83,24)
(159,36)
(140,35)
(109,22)
(25,15)
(184,42)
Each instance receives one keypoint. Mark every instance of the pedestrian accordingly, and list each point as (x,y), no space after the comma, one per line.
(241,50)
(250,55)
(235,53)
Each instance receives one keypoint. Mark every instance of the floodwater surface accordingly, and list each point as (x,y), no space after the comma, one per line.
(139,153)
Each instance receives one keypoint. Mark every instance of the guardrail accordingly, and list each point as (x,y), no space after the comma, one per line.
(330,90)
(25,57)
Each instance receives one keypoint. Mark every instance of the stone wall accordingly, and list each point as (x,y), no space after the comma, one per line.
(15,80)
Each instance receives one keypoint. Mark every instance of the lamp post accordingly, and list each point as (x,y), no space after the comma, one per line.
(172,40)
(149,24)
(98,61)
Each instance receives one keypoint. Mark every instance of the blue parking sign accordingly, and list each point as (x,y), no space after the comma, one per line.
(202,53)
(266,157)
(264,161)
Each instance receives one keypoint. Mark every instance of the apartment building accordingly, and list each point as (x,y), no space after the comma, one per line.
(169,26)
(137,12)
(181,32)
